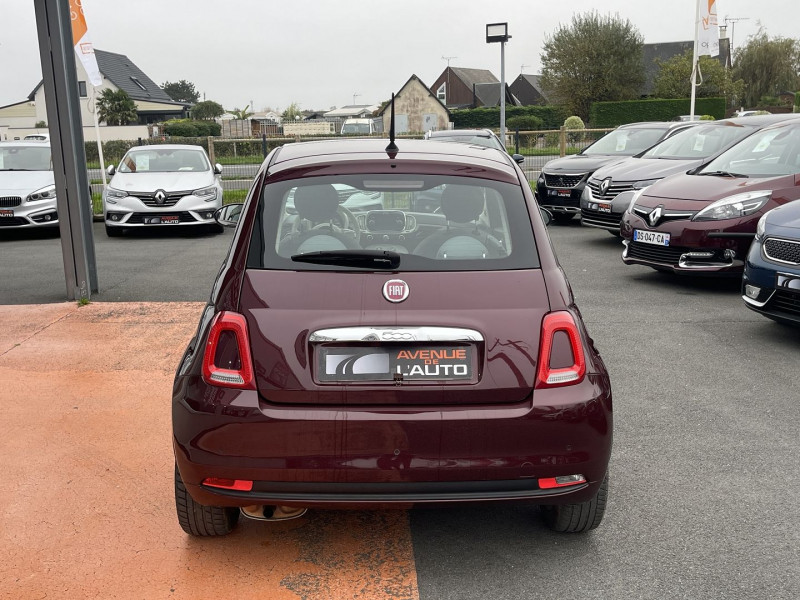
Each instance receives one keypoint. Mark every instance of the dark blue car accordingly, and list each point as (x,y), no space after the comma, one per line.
(771,282)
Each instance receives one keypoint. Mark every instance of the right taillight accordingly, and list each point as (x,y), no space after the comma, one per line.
(559,331)
(227,361)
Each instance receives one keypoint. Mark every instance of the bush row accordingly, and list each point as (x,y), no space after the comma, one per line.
(191,128)
(612,114)
(551,117)
(114,150)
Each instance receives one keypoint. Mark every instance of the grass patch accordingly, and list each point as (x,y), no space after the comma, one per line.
(233,196)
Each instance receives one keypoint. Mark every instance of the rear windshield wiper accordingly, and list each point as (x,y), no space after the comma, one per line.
(722,174)
(365,259)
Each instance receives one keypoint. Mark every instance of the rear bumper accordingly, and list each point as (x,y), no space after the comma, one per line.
(394,456)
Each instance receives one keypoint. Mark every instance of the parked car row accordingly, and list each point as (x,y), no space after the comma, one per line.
(699,203)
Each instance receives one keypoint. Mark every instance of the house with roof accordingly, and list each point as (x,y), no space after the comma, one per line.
(119,73)
(458,87)
(351,111)
(416,109)
(528,90)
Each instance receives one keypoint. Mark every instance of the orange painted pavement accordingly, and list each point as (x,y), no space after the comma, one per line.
(86,490)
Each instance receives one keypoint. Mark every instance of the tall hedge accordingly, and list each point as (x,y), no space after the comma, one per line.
(551,116)
(611,114)
(114,150)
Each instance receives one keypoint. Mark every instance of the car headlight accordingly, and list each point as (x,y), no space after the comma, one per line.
(586,194)
(634,198)
(733,207)
(640,185)
(113,194)
(207,193)
(46,193)
(761,227)
(540,180)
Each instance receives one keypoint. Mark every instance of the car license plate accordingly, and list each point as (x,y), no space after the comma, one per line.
(603,207)
(6,213)
(162,220)
(656,238)
(396,363)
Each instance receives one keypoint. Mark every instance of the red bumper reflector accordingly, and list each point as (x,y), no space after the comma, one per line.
(240,485)
(548,483)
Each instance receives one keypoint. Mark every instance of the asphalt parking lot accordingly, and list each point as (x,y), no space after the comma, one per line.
(704,475)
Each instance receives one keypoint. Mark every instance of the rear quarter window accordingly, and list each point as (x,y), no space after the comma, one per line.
(435,223)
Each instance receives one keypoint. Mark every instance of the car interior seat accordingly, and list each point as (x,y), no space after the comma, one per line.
(318,206)
(465,237)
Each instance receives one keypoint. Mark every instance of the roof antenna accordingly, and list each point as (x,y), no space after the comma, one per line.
(392,148)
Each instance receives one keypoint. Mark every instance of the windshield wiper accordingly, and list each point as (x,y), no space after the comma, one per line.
(722,174)
(365,259)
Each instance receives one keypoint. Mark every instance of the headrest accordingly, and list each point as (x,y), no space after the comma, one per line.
(462,203)
(317,203)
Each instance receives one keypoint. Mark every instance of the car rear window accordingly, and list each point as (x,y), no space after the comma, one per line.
(435,223)
(625,142)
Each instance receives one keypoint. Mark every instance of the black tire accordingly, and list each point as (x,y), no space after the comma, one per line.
(199,519)
(577,518)
(562,218)
(113,231)
(216,228)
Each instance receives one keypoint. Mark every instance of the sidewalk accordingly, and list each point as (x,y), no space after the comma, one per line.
(86,497)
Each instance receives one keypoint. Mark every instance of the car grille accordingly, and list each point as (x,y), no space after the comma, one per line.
(149,199)
(787,302)
(659,254)
(13,221)
(562,181)
(10,201)
(185,217)
(783,251)
(591,217)
(611,192)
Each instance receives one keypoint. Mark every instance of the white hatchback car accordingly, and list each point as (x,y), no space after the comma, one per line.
(27,189)
(168,184)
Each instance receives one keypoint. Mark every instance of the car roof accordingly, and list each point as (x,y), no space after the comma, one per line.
(26,143)
(656,125)
(761,120)
(371,156)
(464,132)
(168,147)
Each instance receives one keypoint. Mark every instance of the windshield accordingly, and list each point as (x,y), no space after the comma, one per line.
(434,223)
(355,128)
(475,140)
(767,153)
(701,141)
(625,142)
(160,160)
(25,158)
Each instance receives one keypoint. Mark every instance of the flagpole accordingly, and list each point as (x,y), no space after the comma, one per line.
(695,58)
(93,109)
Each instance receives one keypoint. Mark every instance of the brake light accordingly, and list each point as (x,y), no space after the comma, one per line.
(546,376)
(227,361)
(239,485)
(549,483)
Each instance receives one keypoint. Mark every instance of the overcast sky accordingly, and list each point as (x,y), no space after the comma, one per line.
(324,53)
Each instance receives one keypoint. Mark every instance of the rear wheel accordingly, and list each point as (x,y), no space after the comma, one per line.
(113,231)
(577,518)
(199,519)
(563,217)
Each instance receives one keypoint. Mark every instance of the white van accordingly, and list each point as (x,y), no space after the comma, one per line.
(362,126)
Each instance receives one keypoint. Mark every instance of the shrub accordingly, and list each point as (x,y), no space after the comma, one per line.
(206,128)
(524,123)
(471,118)
(707,118)
(574,122)
(181,128)
(40,124)
(612,114)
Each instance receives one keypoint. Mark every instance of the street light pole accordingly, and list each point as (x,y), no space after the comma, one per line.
(498,32)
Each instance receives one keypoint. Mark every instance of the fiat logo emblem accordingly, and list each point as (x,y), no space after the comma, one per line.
(395,290)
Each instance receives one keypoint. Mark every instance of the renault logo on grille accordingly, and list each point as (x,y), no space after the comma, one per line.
(604,185)
(655,215)
(160,196)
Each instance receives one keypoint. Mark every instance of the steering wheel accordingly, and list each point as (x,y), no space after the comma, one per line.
(349,221)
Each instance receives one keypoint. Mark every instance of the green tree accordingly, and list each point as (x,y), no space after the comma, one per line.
(207,110)
(767,65)
(241,113)
(675,75)
(291,112)
(115,107)
(595,58)
(181,91)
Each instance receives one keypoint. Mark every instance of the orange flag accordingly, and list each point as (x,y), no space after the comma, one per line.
(82,43)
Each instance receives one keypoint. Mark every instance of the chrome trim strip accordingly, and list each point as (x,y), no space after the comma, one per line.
(756,303)
(396,334)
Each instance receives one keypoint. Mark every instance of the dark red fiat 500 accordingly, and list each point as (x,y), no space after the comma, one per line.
(361,349)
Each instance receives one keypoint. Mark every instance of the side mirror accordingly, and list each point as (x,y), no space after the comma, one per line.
(228,215)
(547,216)
(111,170)
(518,158)
(217,169)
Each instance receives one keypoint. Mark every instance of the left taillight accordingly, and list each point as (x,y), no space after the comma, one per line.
(560,338)
(227,361)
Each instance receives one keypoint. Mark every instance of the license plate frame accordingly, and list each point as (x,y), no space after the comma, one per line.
(653,238)
(347,364)
(6,213)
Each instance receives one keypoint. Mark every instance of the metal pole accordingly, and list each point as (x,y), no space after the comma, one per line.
(54,26)
(503,93)
(695,59)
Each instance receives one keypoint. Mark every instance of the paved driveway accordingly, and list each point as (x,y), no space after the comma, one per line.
(703,500)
